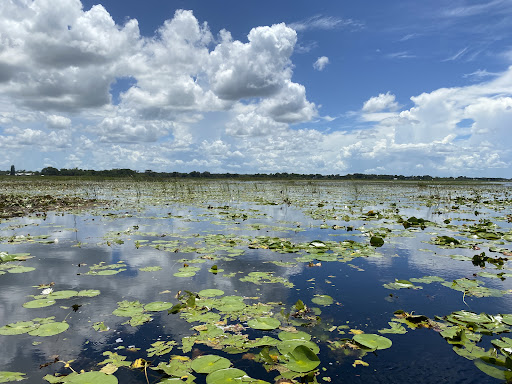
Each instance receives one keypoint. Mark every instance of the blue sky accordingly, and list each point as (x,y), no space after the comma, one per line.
(408,88)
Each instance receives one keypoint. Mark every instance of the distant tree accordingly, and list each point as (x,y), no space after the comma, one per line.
(13,171)
(50,171)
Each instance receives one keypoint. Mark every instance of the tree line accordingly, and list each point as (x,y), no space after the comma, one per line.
(149,174)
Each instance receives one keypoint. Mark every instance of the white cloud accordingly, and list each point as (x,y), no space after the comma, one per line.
(250,123)
(58,57)
(385,101)
(57,122)
(123,129)
(480,74)
(325,22)
(321,63)
(258,68)
(457,55)
(195,102)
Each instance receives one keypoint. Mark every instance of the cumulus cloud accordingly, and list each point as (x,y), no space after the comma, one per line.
(57,122)
(250,123)
(127,129)
(321,63)
(258,68)
(199,102)
(58,57)
(385,101)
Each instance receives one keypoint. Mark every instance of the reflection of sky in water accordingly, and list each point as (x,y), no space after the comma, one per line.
(357,286)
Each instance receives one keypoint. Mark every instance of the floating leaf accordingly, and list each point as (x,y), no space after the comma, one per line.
(287,346)
(302,359)
(20,269)
(394,328)
(157,306)
(376,241)
(322,300)
(210,292)
(264,323)
(39,303)
(300,335)
(100,327)
(493,370)
(161,348)
(372,341)
(56,295)
(224,376)
(150,269)
(89,293)
(185,274)
(50,329)
(18,328)
(6,376)
(92,378)
(209,363)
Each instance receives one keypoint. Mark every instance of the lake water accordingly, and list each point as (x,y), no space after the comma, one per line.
(309,240)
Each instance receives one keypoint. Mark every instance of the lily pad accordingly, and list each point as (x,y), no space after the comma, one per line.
(6,376)
(322,300)
(209,363)
(372,341)
(185,274)
(62,295)
(264,323)
(300,335)
(92,378)
(287,346)
(227,375)
(18,328)
(157,306)
(89,293)
(39,303)
(50,329)
(210,292)
(21,269)
(302,359)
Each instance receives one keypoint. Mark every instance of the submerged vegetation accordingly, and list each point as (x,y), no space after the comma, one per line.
(208,281)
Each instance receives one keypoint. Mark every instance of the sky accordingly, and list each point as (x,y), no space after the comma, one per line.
(331,87)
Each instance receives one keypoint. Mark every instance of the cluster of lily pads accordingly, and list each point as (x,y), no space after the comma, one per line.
(273,334)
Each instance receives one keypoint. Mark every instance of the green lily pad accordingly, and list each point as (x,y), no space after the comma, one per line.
(39,303)
(92,378)
(185,274)
(394,328)
(376,241)
(20,269)
(6,377)
(108,272)
(372,341)
(100,327)
(62,295)
(157,306)
(300,335)
(493,370)
(287,346)
(322,300)
(209,363)
(50,329)
(151,269)
(264,323)
(161,348)
(302,359)
(17,328)
(89,293)
(128,309)
(210,292)
(225,376)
